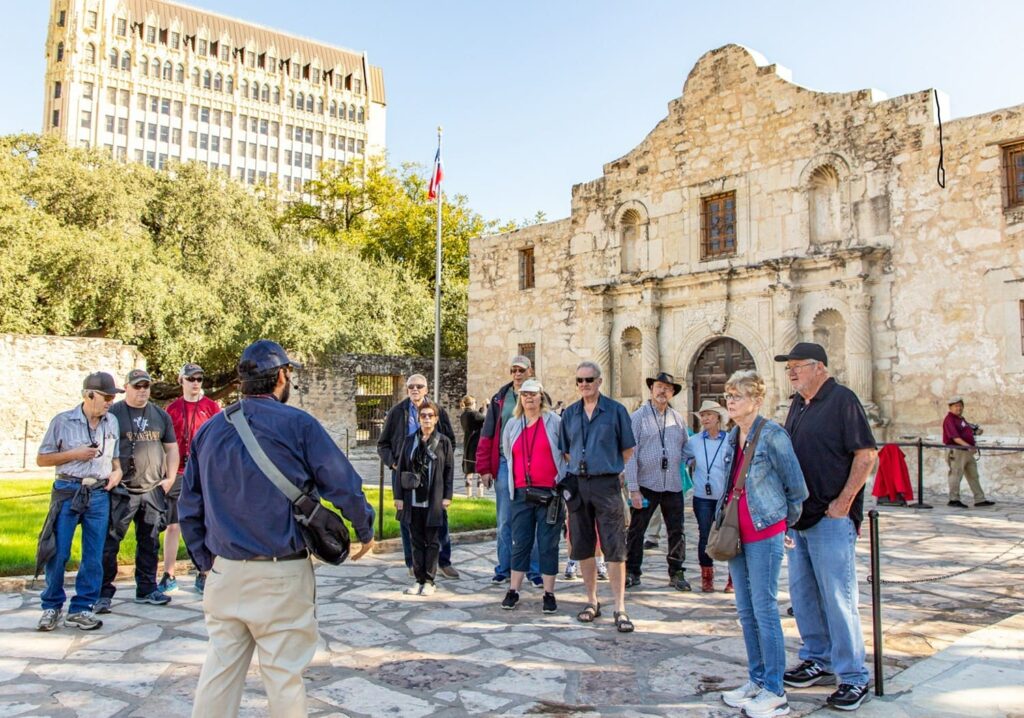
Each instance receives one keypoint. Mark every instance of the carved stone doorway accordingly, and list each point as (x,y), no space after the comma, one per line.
(713,367)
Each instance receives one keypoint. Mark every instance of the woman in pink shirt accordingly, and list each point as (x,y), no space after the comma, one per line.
(530,438)
(770,500)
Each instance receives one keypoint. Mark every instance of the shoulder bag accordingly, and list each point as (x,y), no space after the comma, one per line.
(325,534)
(724,540)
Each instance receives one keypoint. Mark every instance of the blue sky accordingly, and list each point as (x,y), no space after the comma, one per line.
(536,96)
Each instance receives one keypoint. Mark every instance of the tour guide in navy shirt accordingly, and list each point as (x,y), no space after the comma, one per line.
(239,527)
(596,436)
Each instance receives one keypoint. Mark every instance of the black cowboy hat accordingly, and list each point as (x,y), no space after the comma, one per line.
(665,378)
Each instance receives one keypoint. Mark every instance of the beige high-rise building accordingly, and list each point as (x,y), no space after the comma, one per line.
(154,81)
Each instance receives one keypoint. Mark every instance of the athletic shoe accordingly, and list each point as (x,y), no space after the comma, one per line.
(168,583)
(49,620)
(102,605)
(739,697)
(510,600)
(848,697)
(679,582)
(415,590)
(632,580)
(537,581)
(449,571)
(984,503)
(650,544)
(428,589)
(602,571)
(85,620)
(550,604)
(155,597)
(807,674)
(200,584)
(497,579)
(957,503)
(767,705)
(571,568)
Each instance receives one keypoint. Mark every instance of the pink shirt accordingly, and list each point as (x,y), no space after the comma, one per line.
(748,532)
(534,442)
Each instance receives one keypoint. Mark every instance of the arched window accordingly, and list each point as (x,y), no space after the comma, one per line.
(113,59)
(218,82)
(341,111)
(290,98)
(60,52)
(90,54)
(351,113)
(143,65)
(309,103)
(244,87)
(362,115)
(265,93)
(229,85)
(277,95)
(823,203)
(300,101)
(207,80)
(168,71)
(126,61)
(179,74)
(629,229)
(255,90)
(195,77)
(319,105)
(334,108)
(156,67)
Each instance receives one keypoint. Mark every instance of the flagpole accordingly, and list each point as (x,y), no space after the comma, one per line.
(437,289)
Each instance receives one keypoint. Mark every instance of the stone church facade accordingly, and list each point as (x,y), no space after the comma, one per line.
(760,213)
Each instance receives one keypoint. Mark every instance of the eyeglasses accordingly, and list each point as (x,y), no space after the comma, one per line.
(587,379)
(415,386)
(735,397)
(427,415)
(197,379)
(107,397)
(142,386)
(794,367)
(517,370)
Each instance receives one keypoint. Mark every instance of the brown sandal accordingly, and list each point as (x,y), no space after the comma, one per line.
(589,613)
(622,623)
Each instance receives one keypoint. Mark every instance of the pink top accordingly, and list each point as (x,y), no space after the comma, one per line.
(748,532)
(533,444)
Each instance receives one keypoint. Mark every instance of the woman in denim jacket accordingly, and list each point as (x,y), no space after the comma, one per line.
(769,503)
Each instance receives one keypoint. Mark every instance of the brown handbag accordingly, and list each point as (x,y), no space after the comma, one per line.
(724,540)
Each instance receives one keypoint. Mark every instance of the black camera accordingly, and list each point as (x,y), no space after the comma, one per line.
(707,489)
(583,468)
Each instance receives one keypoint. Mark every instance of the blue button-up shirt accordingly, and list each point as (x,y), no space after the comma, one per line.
(710,459)
(599,440)
(70,429)
(229,508)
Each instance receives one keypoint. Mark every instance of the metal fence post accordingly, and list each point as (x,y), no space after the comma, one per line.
(876,602)
(24,447)
(920,476)
(380,504)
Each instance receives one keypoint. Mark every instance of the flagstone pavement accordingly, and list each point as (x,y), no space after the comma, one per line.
(458,653)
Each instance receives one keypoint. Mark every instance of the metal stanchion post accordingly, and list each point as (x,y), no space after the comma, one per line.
(876,602)
(380,505)
(920,477)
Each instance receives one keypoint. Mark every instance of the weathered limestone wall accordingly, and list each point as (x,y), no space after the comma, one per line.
(44,377)
(842,236)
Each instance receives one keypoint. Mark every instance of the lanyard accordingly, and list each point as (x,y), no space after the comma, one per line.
(709,464)
(92,439)
(585,430)
(528,445)
(662,428)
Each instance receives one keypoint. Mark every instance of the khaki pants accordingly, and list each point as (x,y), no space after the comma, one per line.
(963,463)
(263,605)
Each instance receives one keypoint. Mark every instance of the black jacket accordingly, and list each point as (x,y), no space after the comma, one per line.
(392,439)
(472,421)
(442,470)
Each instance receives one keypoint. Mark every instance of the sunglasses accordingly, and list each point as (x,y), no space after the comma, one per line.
(427,415)
(517,370)
(587,379)
(416,386)
(141,386)
(195,379)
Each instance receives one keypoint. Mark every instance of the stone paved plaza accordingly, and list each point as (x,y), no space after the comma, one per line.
(457,653)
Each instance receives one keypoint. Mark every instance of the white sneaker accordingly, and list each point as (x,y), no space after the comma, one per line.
(767,705)
(427,589)
(739,697)
(415,590)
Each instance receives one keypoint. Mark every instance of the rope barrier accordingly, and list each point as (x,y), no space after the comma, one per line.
(945,576)
(23,496)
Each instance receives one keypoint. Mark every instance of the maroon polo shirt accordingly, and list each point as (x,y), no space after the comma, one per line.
(956,427)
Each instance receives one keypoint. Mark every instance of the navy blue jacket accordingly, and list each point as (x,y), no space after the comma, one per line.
(229,508)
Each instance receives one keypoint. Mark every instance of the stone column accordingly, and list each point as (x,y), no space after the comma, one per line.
(652,350)
(859,355)
(603,346)
(787,333)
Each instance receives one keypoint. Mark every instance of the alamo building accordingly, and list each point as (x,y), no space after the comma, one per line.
(760,213)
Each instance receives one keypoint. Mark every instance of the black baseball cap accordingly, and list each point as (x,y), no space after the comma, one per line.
(136,376)
(191,369)
(261,357)
(805,350)
(102,382)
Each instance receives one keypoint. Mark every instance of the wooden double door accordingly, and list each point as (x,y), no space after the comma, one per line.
(714,365)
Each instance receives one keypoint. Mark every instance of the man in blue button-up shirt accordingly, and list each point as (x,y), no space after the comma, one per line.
(239,527)
(596,437)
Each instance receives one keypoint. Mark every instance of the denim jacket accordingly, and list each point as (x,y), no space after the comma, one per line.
(775,484)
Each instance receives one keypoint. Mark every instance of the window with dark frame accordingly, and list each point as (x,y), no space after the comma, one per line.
(718,226)
(1013,156)
(530,352)
(526,276)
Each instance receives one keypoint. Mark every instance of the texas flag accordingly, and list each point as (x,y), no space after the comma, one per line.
(435,179)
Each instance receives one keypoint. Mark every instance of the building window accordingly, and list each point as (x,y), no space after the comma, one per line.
(122,126)
(168,71)
(126,61)
(56,90)
(1013,157)
(718,226)
(121,27)
(62,17)
(55,118)
(526,276)
(60,52)
(113,59)
(151,34)
(90,54)
(91,19)
(86,119)
(179,74)
(175,40)
(225,51)
(201,47)
(530,352)
(87,90)
(110,123)
(144,66)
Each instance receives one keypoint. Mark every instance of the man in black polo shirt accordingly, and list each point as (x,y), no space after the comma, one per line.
(836,449)
(596,436)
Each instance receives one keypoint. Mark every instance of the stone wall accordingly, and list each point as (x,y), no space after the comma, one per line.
(842,236)
(43,376)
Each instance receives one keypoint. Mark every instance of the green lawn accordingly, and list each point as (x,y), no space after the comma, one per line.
(23,505)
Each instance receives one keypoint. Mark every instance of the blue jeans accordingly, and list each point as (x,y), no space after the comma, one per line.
(755,575)
(533,538)
(90,571)
(704,511)
(823,588)
(503,506)
(443,537)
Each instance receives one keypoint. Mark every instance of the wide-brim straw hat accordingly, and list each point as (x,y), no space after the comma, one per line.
(708,405)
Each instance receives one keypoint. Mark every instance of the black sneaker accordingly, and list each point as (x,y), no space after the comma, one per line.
(511,599)
(848,697)
(957,503)
(632,580)
(650,544)
(984,503)
(807,674)
(550,604)
(679,582)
